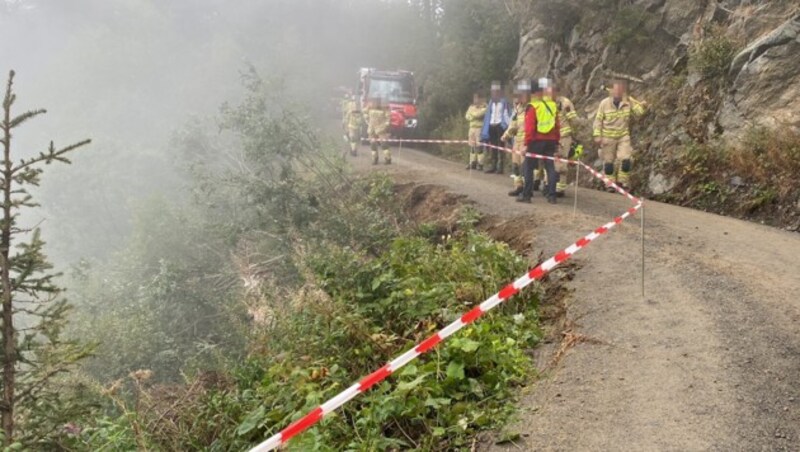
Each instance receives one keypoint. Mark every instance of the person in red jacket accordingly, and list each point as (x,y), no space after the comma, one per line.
(541,137)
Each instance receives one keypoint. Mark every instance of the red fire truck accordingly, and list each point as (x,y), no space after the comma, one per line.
(395,87)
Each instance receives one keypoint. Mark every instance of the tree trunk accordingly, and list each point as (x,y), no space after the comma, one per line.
(9,341)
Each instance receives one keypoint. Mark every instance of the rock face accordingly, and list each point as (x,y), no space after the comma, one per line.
(584,43)
(766,81)
(659,184)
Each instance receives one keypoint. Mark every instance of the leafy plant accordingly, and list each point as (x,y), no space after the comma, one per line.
(712,57)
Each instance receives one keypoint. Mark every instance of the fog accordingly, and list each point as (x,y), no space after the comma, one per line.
(129,73)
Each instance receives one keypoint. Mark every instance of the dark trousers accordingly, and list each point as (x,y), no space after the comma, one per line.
(547,148)
(495,133)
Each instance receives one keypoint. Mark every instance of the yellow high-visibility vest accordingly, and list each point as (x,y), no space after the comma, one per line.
(545,114)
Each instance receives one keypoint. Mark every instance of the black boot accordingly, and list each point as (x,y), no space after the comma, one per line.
(537,184)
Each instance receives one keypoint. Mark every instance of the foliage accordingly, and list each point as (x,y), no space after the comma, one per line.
(454,127)
(770,158)
(321,279)
(35,354)
(360,312)
(757,177)
(163,303)
(169,302)
(712,57)
(479,45)
(631,27)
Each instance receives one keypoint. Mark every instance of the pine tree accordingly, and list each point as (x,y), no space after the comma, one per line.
(33,312)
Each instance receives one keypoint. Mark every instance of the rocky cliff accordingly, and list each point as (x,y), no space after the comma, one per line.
(712,72)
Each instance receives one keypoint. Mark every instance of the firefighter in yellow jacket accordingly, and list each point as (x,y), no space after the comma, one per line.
(516,134)
(568,119)
(612,131)
(353,121)
(475,114)
(378,123)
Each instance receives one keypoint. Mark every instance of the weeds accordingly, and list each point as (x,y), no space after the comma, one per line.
(757,177)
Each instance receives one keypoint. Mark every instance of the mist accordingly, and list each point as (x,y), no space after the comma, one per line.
(189,237)
(130,73)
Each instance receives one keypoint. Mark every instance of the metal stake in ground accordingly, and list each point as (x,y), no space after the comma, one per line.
(577,179)
(643,209)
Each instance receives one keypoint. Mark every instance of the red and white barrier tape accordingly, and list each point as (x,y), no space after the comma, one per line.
(474,314)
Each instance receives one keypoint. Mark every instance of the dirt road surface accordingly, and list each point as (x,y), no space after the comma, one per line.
(709,359)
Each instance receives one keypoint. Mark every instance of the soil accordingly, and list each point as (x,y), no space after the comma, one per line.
(707,359)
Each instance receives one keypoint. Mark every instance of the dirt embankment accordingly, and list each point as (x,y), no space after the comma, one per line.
(435,205)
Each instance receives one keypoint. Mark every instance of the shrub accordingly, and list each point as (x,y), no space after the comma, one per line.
(356,312)
(712,57)
(770,158)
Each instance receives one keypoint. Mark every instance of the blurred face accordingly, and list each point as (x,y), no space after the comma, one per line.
(477,99)
(550,92)
(523,96)
(618,90)
(495,94)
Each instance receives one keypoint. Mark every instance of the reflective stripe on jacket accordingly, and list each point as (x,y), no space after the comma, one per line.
(516,128)
(615,122)
(475,114)
(378,121)
(567,114)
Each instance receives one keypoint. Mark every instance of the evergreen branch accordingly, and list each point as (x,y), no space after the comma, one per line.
(22,396)
(15,122)
(9,99)
(26,311)
(51,155)
(15,230)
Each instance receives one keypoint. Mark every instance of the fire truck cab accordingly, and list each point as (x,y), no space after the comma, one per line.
(398,89)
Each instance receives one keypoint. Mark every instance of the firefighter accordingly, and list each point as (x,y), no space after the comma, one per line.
(567,147)
(475,114)
(344,108)
(612,132)
(378,122)
(516,134)
(495,123)
(541,137)
(354,119)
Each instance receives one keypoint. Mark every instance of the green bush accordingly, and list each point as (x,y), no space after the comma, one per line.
(360,312)
(712,57)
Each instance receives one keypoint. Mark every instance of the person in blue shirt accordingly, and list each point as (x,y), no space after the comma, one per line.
(495,123)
